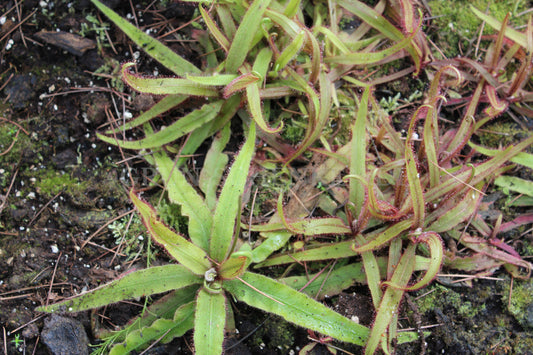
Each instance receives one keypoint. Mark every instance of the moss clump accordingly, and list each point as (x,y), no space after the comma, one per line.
(501,134)
(275,334)
(49,183)
(521,303)
(443,296)
(458,24)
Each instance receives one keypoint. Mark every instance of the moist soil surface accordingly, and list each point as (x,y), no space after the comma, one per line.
(59,185)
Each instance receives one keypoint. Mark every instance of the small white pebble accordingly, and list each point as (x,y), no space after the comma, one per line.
(54,248)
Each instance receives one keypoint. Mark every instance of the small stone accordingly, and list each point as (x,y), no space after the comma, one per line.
(65,336)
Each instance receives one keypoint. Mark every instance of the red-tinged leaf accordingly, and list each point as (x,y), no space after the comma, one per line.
(185,252)
(436,252)
(240,83)
(214,30)
(150,45)
(274,297)
(134,284)
(391,300)
(497,106)
(166,86)
(234,266)
(517,222)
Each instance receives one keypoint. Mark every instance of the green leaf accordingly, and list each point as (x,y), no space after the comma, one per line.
(253,101)
(228,208)
(182,321)
(185,252)
(445,218)
(377,21)
(240,83)
(271,296)
(273,242)
(515,184)
(162,106)
(214,30)
(358,153)
(308,226)
(514,35)
(135,284)
(214,165)
(166,86)
(391,300)
(521,158)
(150,45)
(164,308)
(292,49)
(235,265)
(209,322)
(212,80)
(332,283)
(242,42)
(178,129)
(192,205)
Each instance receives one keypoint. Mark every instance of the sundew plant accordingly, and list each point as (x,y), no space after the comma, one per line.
(381,208)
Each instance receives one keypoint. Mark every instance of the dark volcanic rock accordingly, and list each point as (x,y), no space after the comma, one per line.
(65,336)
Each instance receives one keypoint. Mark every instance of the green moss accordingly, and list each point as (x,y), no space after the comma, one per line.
(275,334)
(442,296)
(521,304)
(50,183)
(501,134)
(457,24)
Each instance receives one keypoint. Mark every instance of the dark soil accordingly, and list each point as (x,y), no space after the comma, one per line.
(59,184)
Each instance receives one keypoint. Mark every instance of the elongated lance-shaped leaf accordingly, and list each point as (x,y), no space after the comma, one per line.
(271,296)
(209,322)
(150,45)
(212,80)
(199,135)
(436,251)
(166,86)
(274,241)
(516,184)
(214,165)
(372,273)
(483,171)
(375,240)
(242,42)
(253,100)
(441,222)
(308,226)
(413,178)
(228,207)
(182,321)
(162,106)
(192,205)
(332,283)
(384,237)
(290,51)
(214,30)
(358,154)
(521,158)
(510,33)
(188,254)
(163,308)
(319,110)
(368,58)
(178,129)
(377,21)
(391,300)
(240,83)
(135,284)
